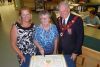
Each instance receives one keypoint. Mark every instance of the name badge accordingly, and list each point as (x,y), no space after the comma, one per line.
(69,31)
(61,34)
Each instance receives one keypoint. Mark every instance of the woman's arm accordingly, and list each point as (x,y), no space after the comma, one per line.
(98,22)
(39,47)
(55,45)
(13,39)
(56,40)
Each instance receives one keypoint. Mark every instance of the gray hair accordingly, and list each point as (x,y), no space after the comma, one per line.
(44,12)
(63,3)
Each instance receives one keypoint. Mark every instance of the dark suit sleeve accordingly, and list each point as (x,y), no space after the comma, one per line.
(59,19)
(79,36)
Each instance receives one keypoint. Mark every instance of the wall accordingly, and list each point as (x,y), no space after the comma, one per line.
(17,4)
(95,1)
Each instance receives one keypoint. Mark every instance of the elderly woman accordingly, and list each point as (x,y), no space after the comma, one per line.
(46,35)
(22,37)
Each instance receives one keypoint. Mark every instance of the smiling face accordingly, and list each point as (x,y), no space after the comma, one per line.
(64,10)
(45,19)
(26,16)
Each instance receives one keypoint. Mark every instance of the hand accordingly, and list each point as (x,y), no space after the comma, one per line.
(41,51)
(22,58)
(73,57)
(54,52)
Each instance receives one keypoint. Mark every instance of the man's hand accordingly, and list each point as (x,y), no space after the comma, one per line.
(74,56)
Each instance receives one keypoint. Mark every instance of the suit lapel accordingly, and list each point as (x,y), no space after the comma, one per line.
(70,18)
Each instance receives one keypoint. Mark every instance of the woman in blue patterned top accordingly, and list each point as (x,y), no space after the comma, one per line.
(46,35)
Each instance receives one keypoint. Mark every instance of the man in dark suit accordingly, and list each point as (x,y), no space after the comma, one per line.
(71,32)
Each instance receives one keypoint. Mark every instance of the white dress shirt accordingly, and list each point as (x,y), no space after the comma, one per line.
(66,19)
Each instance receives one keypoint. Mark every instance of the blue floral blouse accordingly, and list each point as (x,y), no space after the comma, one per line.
(46,38)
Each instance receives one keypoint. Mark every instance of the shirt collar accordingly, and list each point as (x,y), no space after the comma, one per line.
(66,19)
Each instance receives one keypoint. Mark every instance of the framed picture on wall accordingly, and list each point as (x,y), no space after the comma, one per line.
(39,5)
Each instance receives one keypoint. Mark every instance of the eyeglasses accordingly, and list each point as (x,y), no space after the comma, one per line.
(44,18)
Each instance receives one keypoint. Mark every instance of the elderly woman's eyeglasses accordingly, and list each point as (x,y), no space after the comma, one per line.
(44,18)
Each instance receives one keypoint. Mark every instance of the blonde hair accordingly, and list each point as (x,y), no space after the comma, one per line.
(20,12)
(25,8)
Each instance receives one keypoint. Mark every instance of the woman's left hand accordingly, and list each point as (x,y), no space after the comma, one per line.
(41,51)
(54,52)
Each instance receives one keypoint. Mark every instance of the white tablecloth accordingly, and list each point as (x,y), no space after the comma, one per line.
(48,61)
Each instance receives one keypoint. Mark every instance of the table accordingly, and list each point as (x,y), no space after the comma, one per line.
(48,61)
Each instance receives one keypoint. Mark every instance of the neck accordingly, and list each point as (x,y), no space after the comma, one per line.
(66,16)
(25,24)
(46,26)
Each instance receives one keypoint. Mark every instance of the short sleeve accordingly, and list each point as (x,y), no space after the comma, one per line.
(87,20)
(35,35)
(97,20)
(55,31)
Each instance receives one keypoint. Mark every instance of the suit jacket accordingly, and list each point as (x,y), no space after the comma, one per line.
(72,43)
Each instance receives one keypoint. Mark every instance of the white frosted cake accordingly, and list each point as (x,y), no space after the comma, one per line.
(48,61)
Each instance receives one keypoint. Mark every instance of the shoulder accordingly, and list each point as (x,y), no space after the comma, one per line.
(37,27)
(96,17)
(87,17)
(53,26)
(13,28)
(73,16)
(14,25)
(17,24)
(59,19)
(76,18)
(78,21)
(79,17)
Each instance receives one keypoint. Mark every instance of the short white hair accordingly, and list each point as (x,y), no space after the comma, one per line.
(44,12)
(63,3)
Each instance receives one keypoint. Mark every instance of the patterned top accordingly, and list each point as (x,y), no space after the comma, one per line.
(46,38)
(24,39)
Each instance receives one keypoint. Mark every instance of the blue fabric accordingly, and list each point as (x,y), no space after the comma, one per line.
(69,61)
(94,21)
(90,41)
(27,61)
(46,38)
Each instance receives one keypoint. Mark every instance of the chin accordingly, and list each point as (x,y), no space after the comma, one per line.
(45,23)
(27,20)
